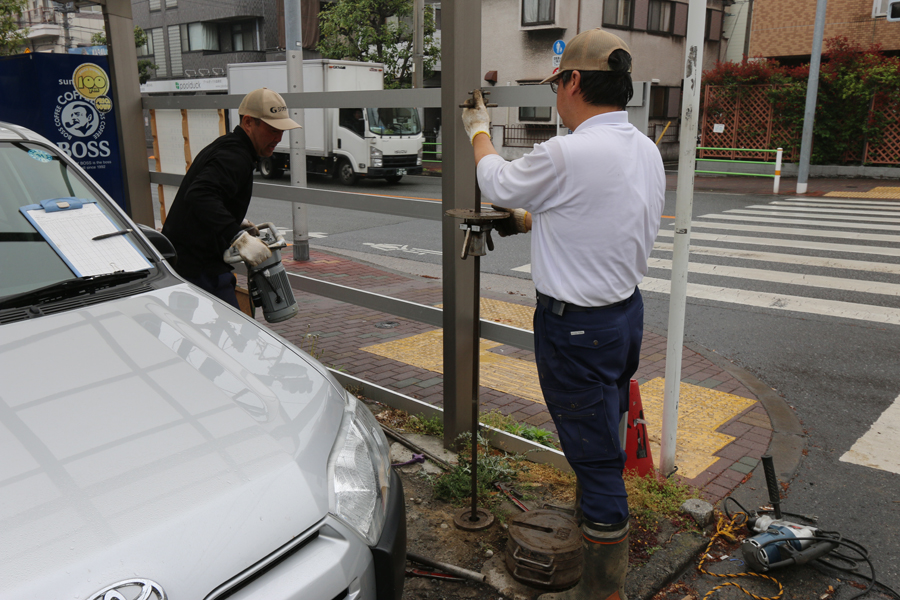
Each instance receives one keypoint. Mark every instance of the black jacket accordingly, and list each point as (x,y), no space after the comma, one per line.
(211,203)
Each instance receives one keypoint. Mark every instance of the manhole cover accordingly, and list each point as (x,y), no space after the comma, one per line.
(386,324)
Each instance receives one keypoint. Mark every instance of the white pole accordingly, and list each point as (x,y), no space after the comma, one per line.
(812,90)
(777,170)
(293,38)
(684,200)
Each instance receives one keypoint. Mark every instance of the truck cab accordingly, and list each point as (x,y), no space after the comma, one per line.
(389,138)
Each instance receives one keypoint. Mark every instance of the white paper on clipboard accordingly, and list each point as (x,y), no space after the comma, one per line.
(72,233)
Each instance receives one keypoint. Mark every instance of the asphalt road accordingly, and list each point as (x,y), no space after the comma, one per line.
(808,305)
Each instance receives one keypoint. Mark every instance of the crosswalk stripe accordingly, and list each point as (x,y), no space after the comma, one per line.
(821,281)
(878,448)
(793,259)
(812,218)
(847,235)
(782,302)
(843,203)
(812,223)
(784,243)
(523,268)
(881,212)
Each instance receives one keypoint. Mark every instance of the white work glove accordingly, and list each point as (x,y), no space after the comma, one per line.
(513,224)
(249,227)
(252,250)
(476,120)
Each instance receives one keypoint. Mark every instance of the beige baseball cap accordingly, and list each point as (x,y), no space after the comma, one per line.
(268,106)
(589,51)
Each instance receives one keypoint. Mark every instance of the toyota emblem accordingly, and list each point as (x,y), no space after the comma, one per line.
(131,589)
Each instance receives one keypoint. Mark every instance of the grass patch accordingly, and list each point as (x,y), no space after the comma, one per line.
(506,423)
(654,496)
(455,486)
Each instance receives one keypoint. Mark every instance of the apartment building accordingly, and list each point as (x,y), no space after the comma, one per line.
(783,29)
(59,27)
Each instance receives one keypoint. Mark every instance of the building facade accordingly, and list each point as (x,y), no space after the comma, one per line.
(58,27)
(783,29)
(517,49)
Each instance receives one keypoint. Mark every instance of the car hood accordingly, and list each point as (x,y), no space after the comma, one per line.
(163,436)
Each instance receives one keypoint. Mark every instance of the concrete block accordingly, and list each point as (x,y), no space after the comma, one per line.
(700,510)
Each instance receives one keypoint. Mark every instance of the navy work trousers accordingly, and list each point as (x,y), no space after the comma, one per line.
(585,362)
(221,286)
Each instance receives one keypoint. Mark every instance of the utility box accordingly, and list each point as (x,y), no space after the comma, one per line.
(348,142)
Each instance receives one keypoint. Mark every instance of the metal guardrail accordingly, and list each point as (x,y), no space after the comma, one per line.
(776,174)
(404,207)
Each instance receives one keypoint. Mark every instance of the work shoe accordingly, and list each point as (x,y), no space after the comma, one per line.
(605,564)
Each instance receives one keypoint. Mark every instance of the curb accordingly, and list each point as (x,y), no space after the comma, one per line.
(665,566)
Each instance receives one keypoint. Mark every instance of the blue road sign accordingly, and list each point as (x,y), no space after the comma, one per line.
(558,47)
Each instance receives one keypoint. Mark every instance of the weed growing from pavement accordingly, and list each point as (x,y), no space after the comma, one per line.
(506,423)
(653,496)
(455,486)
(429,426)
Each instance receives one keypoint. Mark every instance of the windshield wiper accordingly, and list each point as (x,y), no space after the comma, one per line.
(70,288)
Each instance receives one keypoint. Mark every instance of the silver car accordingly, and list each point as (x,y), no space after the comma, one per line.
(156,442)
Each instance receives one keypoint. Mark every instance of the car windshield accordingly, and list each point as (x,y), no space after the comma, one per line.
(394,121)
(30,174)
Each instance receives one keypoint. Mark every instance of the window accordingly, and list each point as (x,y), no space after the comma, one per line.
(171,4)
(534,113)
(661,16)
(713,24)
(159,51)
(199,36)
(155,5)
(175,50)
(879,8)
(147,48)
(665,102)
(239,36)
(617,13)
(538,12)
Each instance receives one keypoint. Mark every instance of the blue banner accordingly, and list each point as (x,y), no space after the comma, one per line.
(67,99)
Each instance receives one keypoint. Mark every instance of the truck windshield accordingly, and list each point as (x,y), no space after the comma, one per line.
(394,121)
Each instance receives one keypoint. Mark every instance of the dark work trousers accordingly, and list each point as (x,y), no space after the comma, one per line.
(585,362)
(221,286)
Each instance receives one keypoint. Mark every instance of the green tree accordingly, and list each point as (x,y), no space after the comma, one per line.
(140,38)
(12,38)
(377,31)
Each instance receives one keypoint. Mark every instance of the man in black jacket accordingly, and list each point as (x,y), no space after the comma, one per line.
(208,213)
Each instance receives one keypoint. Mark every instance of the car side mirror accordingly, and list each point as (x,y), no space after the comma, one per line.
(161,243)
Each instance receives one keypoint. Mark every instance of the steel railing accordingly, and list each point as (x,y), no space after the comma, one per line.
(777,172)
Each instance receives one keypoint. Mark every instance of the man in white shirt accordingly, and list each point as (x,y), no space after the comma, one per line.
(594,200)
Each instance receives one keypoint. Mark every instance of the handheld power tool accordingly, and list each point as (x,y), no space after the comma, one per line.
(268,282)
(778,542)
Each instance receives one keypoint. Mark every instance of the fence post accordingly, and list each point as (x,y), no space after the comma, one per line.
(777,170)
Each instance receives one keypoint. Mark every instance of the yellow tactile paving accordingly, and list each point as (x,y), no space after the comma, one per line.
(891,193)
(700,412)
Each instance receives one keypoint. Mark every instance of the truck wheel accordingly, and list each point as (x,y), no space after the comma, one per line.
(345,173)
(268,169)
(393,178)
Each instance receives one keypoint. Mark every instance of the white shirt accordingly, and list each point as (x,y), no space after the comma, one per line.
(596,197)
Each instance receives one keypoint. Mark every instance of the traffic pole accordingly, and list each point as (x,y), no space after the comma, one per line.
(293,39)
(684,203)
(812,91)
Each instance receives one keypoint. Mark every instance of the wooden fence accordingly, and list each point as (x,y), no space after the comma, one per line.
(748,120)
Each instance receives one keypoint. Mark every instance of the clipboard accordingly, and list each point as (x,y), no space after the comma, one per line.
(70,225)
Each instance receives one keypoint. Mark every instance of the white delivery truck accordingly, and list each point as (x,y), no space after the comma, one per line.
(348,143)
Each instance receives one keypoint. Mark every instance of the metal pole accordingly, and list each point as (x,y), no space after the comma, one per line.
(777,170)
(461,62)
(126,97)
(812,90)
(293,39)
(684,200)
(418,43)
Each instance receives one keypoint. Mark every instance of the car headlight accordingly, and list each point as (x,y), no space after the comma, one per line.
(419,158)
(359,472)
(377,156)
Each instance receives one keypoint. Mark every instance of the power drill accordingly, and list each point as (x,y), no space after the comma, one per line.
(780,543)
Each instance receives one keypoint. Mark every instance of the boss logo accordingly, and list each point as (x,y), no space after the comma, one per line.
(277,109)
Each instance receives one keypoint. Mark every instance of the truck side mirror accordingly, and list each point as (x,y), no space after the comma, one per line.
(893,10)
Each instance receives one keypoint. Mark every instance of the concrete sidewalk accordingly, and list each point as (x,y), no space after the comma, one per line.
(724,423)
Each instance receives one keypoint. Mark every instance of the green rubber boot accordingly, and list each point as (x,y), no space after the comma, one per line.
(605,564)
